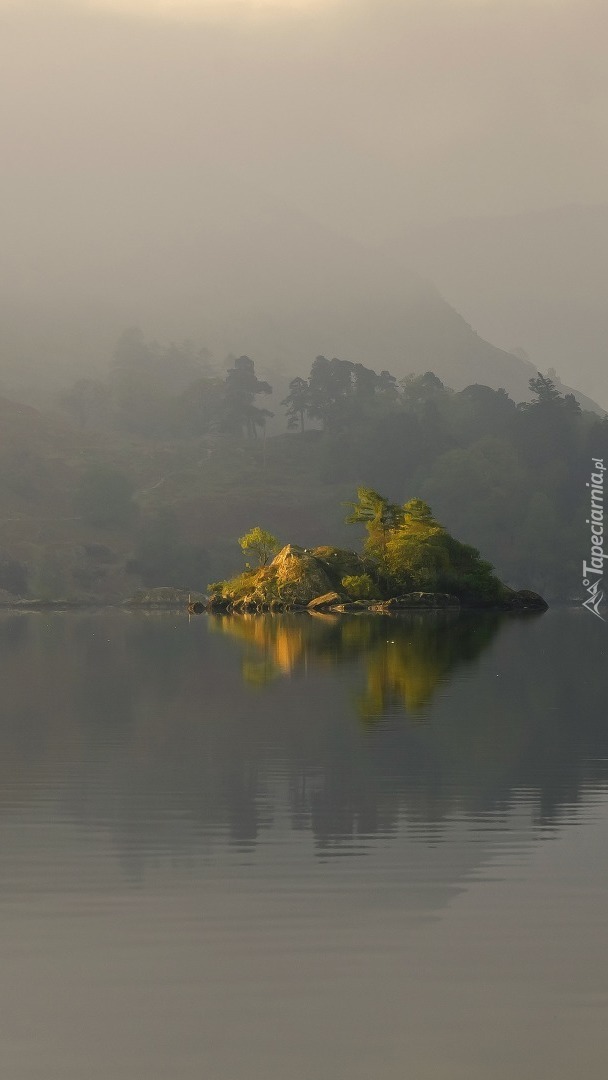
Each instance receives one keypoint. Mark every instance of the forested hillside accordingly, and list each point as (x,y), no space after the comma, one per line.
(149,476)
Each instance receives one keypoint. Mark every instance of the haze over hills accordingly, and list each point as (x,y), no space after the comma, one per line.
(534,280)
(218,175)
(243,273)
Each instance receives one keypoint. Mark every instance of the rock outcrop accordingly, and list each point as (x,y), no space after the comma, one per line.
(294,578)
(417,601)
(525,600)
(326,602)
(300,576)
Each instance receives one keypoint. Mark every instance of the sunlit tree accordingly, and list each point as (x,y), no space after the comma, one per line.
(259,543)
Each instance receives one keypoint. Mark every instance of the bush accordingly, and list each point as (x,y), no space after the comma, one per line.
(359,586)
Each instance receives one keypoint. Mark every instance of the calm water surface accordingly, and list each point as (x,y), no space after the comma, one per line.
(298,848)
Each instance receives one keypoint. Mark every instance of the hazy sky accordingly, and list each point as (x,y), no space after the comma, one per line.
(362,114)
(176,162)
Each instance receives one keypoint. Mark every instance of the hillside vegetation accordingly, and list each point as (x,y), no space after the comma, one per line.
(148,478)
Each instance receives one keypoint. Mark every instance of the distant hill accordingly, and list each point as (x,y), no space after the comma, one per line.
(242,273)
(537,281)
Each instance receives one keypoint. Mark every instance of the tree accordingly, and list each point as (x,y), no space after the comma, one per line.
(419,389)
(386,387)
(545,391)
(416,552)
(379,516)
(297,402)
(241,387)
(359,586)
(571,405)
(597,438)
(260,543)
(422,553)
(331,386)
(480,411)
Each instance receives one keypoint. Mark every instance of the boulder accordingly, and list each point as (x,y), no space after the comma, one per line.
(246,604)
(526,600)
(299,577)
(218,603)
(322,603)
(196,608)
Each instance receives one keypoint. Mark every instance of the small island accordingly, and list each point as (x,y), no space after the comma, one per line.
(409,562)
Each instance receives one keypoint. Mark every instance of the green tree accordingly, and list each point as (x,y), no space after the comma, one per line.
(260,543)
(378,515)
(359,586)
(422,552)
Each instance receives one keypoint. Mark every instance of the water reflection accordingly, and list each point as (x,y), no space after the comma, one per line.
(146,727)
(406,657)
(211,865)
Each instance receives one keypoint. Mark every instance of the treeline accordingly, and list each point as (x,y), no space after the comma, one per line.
(506,477)
(169,392)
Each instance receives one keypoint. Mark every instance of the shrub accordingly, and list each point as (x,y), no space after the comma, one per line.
(358,586)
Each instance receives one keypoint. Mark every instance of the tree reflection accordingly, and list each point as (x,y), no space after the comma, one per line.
(406,657)
(177,736)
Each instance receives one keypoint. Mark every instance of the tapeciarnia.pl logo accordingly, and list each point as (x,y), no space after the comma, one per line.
(593,571)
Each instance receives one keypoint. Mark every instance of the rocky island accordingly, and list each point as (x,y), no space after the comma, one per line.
(409,562)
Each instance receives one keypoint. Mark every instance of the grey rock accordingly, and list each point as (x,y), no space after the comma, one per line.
(321,603)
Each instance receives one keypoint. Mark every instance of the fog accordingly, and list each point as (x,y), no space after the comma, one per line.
(208,169)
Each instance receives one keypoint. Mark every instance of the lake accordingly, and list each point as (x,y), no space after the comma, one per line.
(303,848)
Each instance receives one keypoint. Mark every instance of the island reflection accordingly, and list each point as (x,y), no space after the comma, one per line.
(143,733)
(406,657)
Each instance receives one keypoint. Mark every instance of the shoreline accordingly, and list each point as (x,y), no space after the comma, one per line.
(175,608)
